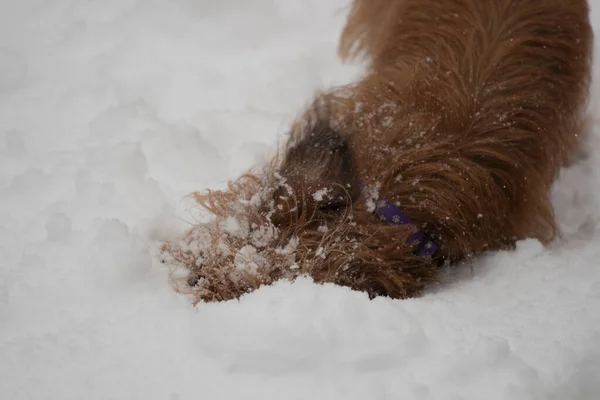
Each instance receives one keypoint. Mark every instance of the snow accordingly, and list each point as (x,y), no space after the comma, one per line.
(112,112)
(321,194)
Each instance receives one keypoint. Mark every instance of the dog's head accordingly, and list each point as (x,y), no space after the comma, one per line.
(303,213)
(317,169)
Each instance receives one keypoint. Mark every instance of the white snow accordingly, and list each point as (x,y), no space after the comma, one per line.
(112,112)
(320,194)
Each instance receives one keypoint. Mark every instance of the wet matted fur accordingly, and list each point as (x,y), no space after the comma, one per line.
(467,112)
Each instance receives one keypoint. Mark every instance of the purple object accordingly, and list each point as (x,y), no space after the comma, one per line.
(391,214)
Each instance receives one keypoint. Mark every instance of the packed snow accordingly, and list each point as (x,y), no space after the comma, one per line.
(112,112)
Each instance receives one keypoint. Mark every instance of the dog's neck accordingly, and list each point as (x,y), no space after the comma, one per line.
(393,215)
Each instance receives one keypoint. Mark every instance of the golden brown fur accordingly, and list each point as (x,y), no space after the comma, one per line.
(467,112)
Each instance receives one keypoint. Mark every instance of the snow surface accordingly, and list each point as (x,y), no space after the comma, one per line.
(112,111)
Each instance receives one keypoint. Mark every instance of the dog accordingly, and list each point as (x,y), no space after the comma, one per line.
(446,147)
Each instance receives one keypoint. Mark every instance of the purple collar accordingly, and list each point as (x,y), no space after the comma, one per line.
(390,213)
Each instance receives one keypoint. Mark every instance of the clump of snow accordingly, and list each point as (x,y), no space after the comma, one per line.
(321,194)
(249,258)
(235,227)
(371,195)
(112,112)
(289,248)
(263,235)
(323,229)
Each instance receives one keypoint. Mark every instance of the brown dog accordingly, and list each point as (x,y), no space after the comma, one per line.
(446,148)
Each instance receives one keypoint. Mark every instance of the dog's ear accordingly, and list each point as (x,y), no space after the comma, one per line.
(318,167)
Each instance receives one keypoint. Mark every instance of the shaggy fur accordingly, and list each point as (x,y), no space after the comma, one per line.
(467,112)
